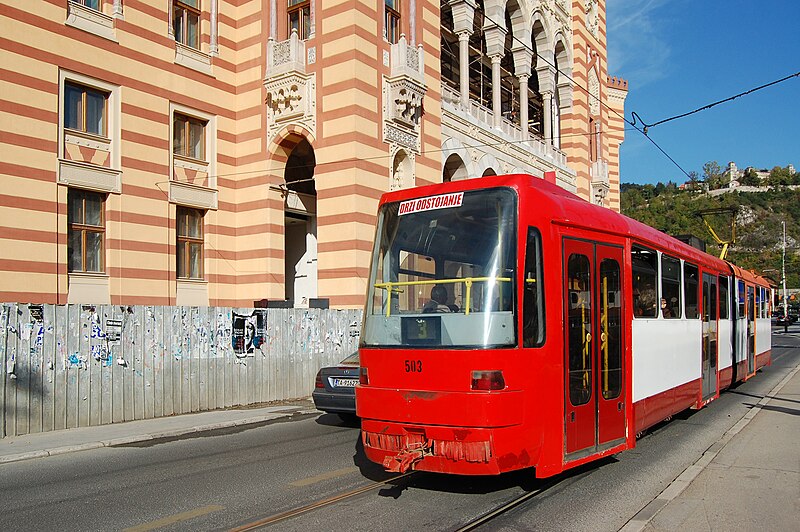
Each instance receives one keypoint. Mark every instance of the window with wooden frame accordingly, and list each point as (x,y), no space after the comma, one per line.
(85,109)
(391,23)
(87,229)
(189,252)
(91,4)
(299,12)
(186,22)
(189,137)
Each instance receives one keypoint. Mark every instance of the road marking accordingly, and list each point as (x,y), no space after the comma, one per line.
(324,476)
(172,519)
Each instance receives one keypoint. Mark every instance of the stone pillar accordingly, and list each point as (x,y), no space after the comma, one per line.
(495,37)
(496,110)
(547,116)
(273,20)
(463,68)
(213,46)
(463,16)
(523,105)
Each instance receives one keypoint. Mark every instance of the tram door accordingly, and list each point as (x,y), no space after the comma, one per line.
(594,398)
(709,335)
(751,331)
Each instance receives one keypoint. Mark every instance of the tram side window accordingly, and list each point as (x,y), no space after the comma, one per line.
(670,287)
(724,300)
(533,297)
(758,302)
(610,329)
(644,272)
(690,287)
(741,300)
(579,325)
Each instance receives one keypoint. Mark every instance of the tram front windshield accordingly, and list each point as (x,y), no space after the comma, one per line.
(443,272)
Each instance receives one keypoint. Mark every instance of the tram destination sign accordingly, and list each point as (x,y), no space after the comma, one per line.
(431,203)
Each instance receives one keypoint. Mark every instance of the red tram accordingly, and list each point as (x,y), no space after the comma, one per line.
(510,324)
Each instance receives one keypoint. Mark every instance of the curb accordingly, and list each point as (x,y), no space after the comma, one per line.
(639,521)
(160,435)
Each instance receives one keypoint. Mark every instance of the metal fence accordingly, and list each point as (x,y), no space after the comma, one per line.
(80,365)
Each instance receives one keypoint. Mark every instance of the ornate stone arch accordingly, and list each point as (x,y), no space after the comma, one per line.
(402,170)
(563,58)
(487,162)
(285,140)
(454,147)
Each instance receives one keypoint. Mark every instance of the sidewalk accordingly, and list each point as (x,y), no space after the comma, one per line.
(15,448)
(749,480)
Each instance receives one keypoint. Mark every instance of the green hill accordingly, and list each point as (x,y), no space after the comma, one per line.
(759,233)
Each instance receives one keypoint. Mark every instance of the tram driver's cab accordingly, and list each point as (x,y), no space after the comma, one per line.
(443,272)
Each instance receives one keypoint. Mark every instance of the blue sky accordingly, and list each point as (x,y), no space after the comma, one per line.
(678,55)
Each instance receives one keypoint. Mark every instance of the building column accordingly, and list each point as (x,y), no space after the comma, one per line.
(496,110)
(273,19)
(523,106)
(463,68)
(547,116)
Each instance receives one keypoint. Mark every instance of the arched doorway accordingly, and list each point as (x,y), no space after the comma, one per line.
(300,225)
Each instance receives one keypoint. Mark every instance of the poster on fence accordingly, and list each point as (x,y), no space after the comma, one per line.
(248,333)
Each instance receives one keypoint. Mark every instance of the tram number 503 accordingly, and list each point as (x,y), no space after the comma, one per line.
(413,366)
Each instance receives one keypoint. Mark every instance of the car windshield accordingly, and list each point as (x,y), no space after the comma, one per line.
(443,270)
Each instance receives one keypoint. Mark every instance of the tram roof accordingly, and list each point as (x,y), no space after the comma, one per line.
(567,209)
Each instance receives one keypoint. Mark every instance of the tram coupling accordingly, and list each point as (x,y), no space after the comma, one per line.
(405,459)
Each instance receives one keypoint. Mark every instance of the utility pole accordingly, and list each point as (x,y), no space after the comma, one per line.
(783,274)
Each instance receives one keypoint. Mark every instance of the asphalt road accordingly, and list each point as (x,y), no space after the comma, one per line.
(224,479)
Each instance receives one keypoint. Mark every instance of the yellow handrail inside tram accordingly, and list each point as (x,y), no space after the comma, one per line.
(392,287)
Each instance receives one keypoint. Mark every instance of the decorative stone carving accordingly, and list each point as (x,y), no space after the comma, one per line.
(592,16)
(403,94)
(291,93)
(594,93)
(399,136)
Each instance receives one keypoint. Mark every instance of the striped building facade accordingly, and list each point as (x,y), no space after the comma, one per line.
(224,152)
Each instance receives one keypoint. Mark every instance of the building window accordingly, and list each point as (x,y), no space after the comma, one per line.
(85,109)
(300,18)
(87,228)
(92,4)
(392,21)
(188,137)
(186,22)
(190,244)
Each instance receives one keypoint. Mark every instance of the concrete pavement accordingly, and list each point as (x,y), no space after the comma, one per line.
(51,443)
(748,480)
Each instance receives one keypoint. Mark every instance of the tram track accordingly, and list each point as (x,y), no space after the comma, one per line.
(473,524)
(564,479)
(282,516)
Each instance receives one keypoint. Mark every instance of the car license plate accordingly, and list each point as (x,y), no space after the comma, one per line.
(345,383)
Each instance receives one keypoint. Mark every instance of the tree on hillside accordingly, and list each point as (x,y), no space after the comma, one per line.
(694,181)
(780,176)
(750,178)
(714,175)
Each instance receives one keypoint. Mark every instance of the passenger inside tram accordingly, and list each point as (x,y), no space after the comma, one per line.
(666,308)
(438,302)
